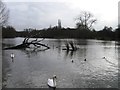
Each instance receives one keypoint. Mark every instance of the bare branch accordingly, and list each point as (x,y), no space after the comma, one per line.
(26,44)
(41,40)
(34,40)
(85,20)
(92,22)
(3,14)
(24,40)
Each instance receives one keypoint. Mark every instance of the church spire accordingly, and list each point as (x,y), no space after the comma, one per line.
(59,23)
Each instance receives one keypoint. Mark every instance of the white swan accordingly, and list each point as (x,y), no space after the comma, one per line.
(12,55)
(52,82)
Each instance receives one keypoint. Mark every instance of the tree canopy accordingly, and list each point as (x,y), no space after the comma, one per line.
(85,20)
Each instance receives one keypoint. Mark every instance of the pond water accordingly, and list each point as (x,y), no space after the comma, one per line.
(31,69)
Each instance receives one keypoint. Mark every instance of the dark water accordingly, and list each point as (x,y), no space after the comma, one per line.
(32,69)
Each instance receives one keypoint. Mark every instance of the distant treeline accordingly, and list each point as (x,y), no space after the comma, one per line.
(105,34)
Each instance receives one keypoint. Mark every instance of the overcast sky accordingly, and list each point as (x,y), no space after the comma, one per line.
(43,13)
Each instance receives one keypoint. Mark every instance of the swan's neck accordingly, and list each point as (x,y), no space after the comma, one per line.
(54,81)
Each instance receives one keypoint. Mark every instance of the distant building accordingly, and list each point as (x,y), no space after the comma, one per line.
(59,23)
(50,26)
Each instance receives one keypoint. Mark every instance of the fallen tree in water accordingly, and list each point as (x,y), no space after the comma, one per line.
(27,43)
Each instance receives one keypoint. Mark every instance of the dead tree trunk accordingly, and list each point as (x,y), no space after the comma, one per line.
(26,44)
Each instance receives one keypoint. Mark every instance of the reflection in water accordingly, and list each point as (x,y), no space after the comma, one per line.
(33,68)
(69,54)
(118,66)
(5,68)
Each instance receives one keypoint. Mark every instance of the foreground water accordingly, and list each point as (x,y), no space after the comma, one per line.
(31,69)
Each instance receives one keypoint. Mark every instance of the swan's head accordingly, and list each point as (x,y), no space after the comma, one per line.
(54,76)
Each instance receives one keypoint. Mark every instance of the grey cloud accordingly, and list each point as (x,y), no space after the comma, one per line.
(39,15)
(42,14)
(119,12)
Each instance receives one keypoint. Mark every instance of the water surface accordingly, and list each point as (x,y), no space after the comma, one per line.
(31,69)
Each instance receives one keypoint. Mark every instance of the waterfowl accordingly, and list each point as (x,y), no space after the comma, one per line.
(104,57)
(12,55)
(85,59)
(52,82)
(72,61)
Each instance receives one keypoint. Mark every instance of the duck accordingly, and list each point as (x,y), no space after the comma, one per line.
(72,61)
(104,58)
(52,81)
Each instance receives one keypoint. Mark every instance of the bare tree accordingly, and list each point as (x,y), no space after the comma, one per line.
(3,14)
(85,20)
